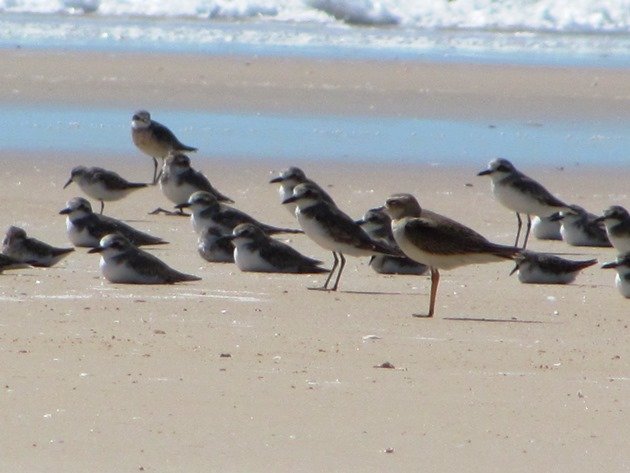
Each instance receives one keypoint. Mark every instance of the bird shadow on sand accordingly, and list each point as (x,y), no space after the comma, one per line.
(492,320)
(378,293)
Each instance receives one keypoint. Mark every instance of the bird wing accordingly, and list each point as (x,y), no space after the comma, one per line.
(164,135)
(201,182)
(283,256)
(536,190)
(113,180)
(446,237)
(150,266)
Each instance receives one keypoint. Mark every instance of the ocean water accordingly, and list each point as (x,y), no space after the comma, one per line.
(291,139)
(548,32)
(592,32)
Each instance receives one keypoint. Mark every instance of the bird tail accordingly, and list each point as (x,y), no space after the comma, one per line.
(579,265)
(270,230)
(505,251)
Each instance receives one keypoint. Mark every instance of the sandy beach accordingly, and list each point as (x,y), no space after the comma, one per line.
(244,372)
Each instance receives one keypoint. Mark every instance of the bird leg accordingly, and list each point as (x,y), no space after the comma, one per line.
(332,270)
(529,226)
(518,231)
(435,279)
(102,207)
(341,265)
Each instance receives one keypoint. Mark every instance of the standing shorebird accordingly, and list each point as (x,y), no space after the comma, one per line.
(291,177)
(622,279)
(154,139)
(122,262)
(521,193)
(255,251)
(540,268)
(378,226)
(438,241)
(101,184)
(86,228)
(581,228)
(179,181)
(31,250)
(208,212)
(617,221)
(332,229)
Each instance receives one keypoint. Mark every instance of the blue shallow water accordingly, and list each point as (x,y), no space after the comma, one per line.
(106,132)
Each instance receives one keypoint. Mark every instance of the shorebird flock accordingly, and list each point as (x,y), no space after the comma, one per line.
(399,237)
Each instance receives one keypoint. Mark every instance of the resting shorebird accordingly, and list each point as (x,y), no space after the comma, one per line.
(257,252)
(378,226)
(30,250)
(213,246)
(580,228)
(122,262)
(540,268)
(154,139)
(622,279)
(101,184)
(179,181)
(85,228)
(6,262)
(546,228)
(207,212)
(291,177)
(438,241)
(329,227)
(520,193)
(617,221)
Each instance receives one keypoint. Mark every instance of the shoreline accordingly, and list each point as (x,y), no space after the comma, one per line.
(363,87)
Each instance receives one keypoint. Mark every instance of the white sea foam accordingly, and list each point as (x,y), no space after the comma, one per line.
(575,16)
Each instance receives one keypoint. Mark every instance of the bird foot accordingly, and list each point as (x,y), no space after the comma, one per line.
(160,210)
(422,316)
(320,289)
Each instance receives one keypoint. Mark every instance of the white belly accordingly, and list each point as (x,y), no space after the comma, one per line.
(178,194)
(286,192)
(623,286)
(120,273)
(81,238)
(98,191)
(247,260)
(517,201)
(622,245)
(315,232)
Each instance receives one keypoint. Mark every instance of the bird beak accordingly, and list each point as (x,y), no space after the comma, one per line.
(65,211)
(485,172)
(516,266)
(600,219)
(275,180)
(185,205)
(612,264)
(67,183)
(98,249)
(361,221)
(556,217)
(289,200)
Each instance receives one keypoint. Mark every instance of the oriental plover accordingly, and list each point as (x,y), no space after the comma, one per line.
(86,228)
(123,262)
(208,212)
(31,250)
(213,246)
(101,184)
(617,221)
(520,193)
(581,228)
(541,268)
(154,139)
(255,251)
(378,226)
(179,181)
(438,241)
(622,279)
(291,177)
(332,229)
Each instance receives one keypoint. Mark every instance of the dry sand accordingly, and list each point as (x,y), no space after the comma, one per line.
(506,377)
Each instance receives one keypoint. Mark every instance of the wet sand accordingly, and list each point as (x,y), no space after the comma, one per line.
(254,372)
